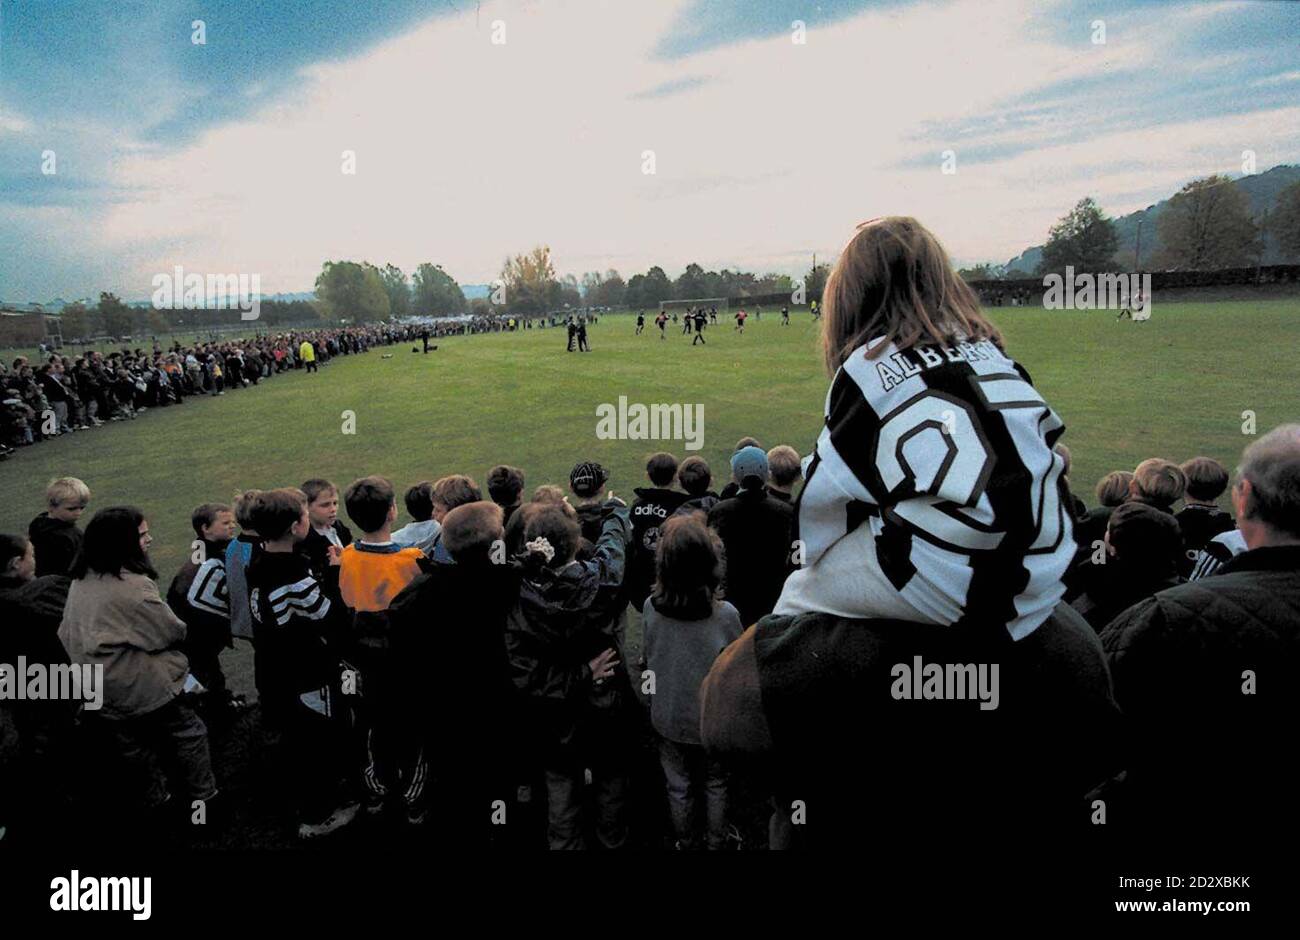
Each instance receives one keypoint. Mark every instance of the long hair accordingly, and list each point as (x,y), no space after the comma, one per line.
(112,545)
(11,547)
(689,568)
(894,280)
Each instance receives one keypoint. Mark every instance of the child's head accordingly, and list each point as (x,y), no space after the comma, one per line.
(469,531)
(1206,479)
(117,539)
(549,493)
(1112,489)
(746,442)
(419,501)
(213,522)
(688,564)
(1144,539)
(66,498)
(371,503)
(243,507)
(452,491)
(587,479)
(1158,482)
(278,514)
(749,468)
(505,485)
(322,502)
(17,558)
(661,468)
(783,466)
(694,476)
(559,529)
(894,280)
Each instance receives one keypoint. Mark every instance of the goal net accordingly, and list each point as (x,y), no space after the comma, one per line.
(706,302)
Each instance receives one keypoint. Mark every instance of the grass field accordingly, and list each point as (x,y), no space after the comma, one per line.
(1175,386)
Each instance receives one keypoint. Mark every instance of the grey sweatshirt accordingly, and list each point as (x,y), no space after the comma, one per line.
(679,653)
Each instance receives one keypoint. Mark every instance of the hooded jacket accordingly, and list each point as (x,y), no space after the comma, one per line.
(558,625)
(56,543)
(649,510)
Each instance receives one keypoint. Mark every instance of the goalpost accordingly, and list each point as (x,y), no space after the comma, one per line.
(668,306)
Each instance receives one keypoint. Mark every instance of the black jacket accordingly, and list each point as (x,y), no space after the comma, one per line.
(557,626)
(56,543)
(1208,674)
(1199,524)
(649,510)
(448,637)
(756,533)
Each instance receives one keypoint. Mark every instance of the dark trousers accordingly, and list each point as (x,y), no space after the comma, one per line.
(699,338)
(564,799)
(311,766)
(312,367)
(690,773)
(172,735)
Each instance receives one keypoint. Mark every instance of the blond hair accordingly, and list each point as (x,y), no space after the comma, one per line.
(66,490)
(894,280)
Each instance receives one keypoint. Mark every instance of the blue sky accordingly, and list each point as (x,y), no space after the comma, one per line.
(226,156)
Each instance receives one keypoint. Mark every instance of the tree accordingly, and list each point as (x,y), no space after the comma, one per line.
(398,289)
(815,281)
(79,322)
(1083,238)
(528,279)
(352,291)
(1207,226)
(436,292)
(612,290)
(1285,221)
(115,315)
(656,287)
(981,272)
(691,284)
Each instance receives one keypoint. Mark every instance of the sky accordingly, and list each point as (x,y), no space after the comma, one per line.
(482,129)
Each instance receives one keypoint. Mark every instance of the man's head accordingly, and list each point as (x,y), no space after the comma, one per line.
(470,530)
(66,498)
(452,491)
(1266,496)
(371,503)
(661,468)
(749,468)
(783,464)
(1158,482)
(505,485)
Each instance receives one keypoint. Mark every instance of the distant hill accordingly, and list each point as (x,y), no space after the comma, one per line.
(1261,189)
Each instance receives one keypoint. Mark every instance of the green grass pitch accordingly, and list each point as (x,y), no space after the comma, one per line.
(1176,386)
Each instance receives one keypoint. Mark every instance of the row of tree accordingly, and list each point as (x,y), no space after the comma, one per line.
(1206,226)
(361,292)
(114,317)
(529,285)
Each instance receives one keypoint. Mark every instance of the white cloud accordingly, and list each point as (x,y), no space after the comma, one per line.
(466,151)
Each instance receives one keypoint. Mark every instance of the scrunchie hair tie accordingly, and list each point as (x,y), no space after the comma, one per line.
(542,547)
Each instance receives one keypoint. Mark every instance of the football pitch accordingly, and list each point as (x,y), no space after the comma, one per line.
(1176,387)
